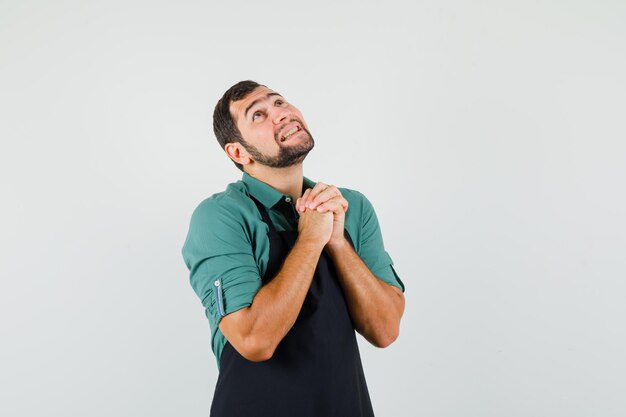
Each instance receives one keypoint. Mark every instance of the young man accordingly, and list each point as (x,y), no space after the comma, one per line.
(287,269)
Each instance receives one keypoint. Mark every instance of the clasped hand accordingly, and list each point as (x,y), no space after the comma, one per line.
(326,198)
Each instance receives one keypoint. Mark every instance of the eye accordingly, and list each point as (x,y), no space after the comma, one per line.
(256,114)
(279,102)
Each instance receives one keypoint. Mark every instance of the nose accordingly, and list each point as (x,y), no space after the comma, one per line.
(281,114)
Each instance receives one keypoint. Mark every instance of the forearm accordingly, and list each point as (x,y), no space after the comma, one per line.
(375,306)
(277,304)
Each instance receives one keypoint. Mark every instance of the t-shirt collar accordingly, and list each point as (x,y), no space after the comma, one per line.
(265,193)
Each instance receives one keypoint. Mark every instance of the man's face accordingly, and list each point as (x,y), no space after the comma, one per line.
(274,131)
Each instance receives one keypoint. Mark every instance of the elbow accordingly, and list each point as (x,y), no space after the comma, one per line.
(256,350)
(385,340)
(384,334)
(248,342)
(386,329)
(257,355)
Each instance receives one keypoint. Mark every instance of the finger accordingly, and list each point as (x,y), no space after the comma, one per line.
(336,205)
(327,194)
(318,188)
(323,196)
(299,203)
(304,199)
(335,209)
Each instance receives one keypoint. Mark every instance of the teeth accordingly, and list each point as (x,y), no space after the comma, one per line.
(290,132)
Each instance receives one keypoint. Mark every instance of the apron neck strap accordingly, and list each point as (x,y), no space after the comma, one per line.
(264,214)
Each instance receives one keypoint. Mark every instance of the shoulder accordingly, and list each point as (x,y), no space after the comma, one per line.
(225,218)
(357,201)
(232,204)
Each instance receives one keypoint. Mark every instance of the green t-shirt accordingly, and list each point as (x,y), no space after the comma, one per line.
(227,246)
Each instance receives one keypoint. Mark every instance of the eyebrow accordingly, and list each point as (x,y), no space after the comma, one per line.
(245,114)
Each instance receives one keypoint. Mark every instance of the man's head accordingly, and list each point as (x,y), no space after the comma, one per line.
(255,124)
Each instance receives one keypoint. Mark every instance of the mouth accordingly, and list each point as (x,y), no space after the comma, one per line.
(290,132)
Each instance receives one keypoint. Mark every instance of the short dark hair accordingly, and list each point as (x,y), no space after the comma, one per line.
(224,127)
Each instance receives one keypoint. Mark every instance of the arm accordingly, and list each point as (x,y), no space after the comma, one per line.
(375,306)
(256,331)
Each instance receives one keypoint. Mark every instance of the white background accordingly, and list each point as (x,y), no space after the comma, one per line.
(489,136)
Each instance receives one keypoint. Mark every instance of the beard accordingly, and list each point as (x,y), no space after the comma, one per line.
(287,155)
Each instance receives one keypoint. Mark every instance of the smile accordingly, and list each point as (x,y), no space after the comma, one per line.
(289,133)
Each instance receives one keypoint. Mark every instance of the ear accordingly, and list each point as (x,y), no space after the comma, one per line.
(237,153)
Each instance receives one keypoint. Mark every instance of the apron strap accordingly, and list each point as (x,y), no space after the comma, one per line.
(264,214)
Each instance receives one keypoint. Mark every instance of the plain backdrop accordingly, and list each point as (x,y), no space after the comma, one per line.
(489,136)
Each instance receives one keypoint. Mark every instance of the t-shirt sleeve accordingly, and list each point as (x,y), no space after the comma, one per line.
(218,253)
(372,249)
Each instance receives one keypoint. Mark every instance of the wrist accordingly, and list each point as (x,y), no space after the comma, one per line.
(310,243)
(337,245)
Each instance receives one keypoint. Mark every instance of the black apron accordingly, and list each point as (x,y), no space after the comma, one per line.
(316,369)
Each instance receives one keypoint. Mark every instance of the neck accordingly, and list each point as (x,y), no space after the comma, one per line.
(287,180)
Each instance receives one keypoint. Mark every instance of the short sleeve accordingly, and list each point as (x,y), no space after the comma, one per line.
(372,249)
(218,253)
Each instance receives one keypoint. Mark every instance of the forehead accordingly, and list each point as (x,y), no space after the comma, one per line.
(238,108)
